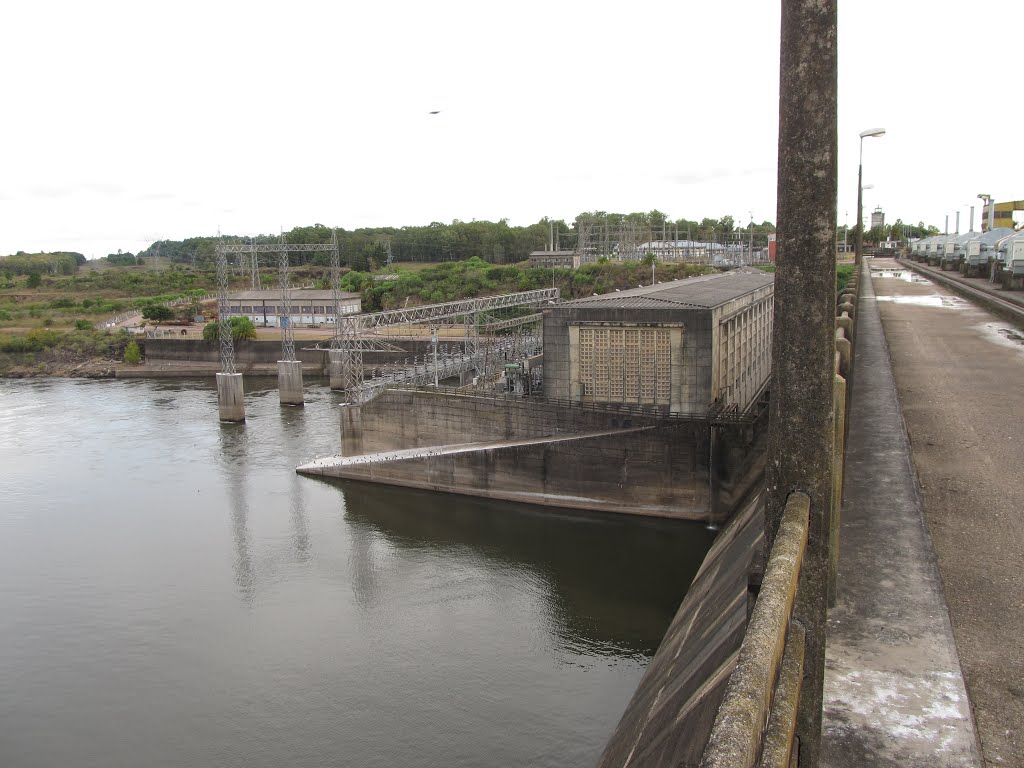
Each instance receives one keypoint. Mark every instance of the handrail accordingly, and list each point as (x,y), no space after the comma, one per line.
(738,733)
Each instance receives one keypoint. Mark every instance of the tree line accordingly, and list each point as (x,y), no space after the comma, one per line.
(55,263)
(497,242)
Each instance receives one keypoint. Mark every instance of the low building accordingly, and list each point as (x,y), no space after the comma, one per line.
(686,346)
(550,259)
(679,250)
(308,307)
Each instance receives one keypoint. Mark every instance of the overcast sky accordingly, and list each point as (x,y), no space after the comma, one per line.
(129,122)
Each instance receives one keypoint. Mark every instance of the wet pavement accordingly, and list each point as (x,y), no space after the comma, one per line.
(958,371)
(894,690)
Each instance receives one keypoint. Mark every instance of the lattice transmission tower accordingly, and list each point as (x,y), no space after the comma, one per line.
(287,333)
(227,344)
(584,239)
(254,264)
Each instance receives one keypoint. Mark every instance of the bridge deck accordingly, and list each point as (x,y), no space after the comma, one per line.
(894,689)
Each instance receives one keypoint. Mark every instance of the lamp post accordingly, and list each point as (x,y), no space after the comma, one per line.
(991,209)
(860,190)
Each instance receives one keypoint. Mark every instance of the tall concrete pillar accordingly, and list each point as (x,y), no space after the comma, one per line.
(289,382)
(801,439)
(351,430)
(230,397)
(334,371)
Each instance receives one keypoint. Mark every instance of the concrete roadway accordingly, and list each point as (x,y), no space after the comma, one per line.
(958,373)
(960,376)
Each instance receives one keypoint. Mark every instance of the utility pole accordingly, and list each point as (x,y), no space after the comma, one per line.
(750,250)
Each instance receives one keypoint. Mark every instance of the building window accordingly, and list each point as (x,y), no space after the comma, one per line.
(626,365)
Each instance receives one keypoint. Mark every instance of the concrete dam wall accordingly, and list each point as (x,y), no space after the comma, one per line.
(416,418)
(632,471)
(549,454)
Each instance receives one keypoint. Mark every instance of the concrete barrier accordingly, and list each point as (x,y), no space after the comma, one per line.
(669,717)
(839,457)
(757,722)
(740,729)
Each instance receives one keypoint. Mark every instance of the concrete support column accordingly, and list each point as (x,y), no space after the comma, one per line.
(230,397)
(289,382)
(801,438)
(334,371)
(351,430)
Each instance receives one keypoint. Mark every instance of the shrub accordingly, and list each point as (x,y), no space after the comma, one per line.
(242,329)
(82,325)
(35,280)
(43,338)
(132,353)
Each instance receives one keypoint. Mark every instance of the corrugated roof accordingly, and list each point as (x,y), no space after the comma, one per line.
(704,292)
(296,294)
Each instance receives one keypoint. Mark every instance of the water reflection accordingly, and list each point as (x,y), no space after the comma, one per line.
(227,606)
(608,582)
(293,424)
(234,461)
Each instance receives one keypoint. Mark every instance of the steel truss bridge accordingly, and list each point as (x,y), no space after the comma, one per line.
(475,317)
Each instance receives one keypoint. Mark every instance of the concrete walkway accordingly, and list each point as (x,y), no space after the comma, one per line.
(894,689)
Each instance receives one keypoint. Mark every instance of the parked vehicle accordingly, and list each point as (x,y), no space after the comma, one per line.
(980,252)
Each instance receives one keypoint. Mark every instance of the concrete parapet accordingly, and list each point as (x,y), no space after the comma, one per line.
(780,736)
(230,397)
(839,460)
(737,737)
(289,382)
(844,349)
(670,714)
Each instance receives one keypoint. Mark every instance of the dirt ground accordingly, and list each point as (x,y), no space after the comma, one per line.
(960,375)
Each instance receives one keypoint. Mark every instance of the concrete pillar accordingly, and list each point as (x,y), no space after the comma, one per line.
(230,397)
(351,430)
(334,371)
(289,382)
(801,439)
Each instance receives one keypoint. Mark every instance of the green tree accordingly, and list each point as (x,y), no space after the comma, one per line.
(132,353)
(158,313)
(242,329)
(35,280)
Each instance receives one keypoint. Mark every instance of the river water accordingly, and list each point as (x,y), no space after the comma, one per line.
(173,594)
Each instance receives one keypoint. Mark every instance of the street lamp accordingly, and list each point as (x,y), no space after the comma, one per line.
(987,201)
(860,190)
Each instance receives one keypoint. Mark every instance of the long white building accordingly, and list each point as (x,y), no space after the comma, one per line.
(308,307)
